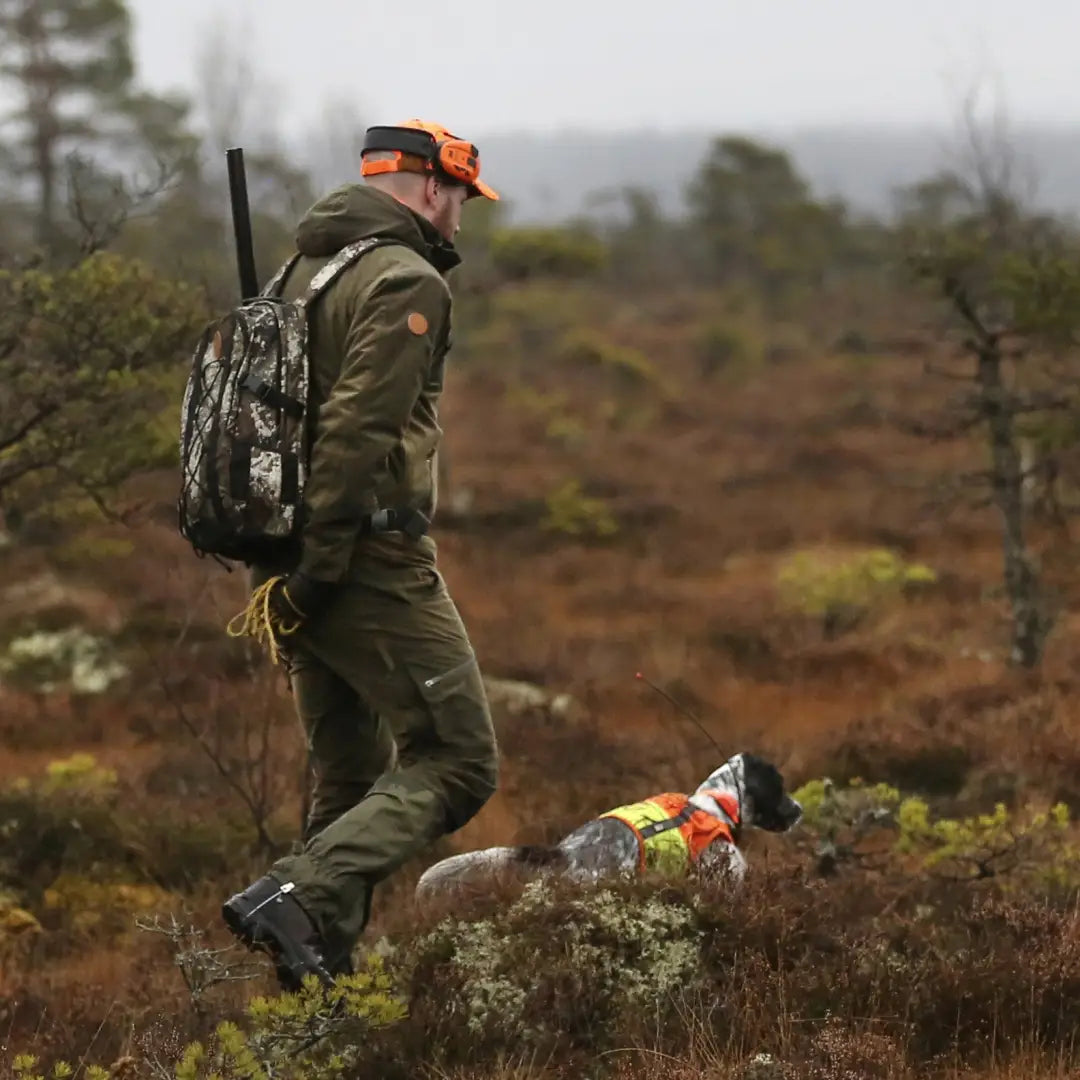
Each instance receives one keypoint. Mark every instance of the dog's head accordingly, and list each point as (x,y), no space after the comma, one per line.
(758,790)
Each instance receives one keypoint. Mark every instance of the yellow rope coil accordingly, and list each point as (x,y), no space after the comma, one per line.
(259,621)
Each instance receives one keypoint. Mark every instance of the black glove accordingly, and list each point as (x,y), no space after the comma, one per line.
(298,599)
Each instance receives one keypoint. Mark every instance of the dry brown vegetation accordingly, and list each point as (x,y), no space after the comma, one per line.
(712,483)
(689,448)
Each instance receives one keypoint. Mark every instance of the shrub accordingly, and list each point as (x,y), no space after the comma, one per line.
(542,309)
(689,970)
(630,367)
(721,346)
(46,660)
(63,819)
(98,343)
(574,513)
(818,979)
(521,253)
(316,1034)
(566,430)
(875,826)
(843,820)
(70,845)
(556,964)
(840,591)
(1021,850)
(526,321)
(101,907)
(25,1068)
(78,775)
(16,923)
(560,424)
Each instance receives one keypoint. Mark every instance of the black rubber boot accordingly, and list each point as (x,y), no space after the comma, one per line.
(264,916)
(343,965)
(339,961)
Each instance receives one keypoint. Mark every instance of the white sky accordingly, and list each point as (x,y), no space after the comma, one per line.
(505,65)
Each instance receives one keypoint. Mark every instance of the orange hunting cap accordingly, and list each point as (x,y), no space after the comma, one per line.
(419,146)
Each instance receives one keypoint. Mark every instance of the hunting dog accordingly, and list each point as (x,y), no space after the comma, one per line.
(698,832)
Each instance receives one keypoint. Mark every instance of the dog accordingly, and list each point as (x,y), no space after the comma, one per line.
(676,833)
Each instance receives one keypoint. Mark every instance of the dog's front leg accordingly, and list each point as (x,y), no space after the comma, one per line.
(722,863)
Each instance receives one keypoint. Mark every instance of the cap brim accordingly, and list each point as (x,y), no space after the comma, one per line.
(479,188)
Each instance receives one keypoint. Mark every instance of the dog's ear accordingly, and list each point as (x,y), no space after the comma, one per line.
(765,803)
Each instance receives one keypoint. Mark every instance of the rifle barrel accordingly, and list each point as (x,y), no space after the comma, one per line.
(241,215)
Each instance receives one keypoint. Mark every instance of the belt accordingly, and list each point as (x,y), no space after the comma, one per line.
(405,520)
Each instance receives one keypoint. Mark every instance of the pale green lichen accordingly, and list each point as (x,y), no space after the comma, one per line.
(629,952)
(48,660)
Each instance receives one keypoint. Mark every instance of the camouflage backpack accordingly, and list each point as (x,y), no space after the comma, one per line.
(245,431)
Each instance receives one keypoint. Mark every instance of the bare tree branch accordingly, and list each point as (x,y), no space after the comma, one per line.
(24,430)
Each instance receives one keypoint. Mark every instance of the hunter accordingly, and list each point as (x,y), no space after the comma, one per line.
(383,674)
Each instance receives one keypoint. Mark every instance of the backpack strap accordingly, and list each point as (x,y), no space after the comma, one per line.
(341,261)
(345,258)
(274,285)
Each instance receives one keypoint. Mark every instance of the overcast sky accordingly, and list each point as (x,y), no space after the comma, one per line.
(500,65)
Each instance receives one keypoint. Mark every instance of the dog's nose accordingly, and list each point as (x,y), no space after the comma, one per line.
(791,812)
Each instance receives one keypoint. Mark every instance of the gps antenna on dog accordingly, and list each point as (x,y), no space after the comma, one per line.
(685,710)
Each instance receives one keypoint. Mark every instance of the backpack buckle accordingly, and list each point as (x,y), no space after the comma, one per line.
(272,396)
(406,520)
(414,524)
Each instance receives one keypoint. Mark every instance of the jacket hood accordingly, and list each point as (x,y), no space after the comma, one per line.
(357,212)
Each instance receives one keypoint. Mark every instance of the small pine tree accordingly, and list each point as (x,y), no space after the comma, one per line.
(69,63)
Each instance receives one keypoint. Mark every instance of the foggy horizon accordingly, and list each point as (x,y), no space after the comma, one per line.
(492,69)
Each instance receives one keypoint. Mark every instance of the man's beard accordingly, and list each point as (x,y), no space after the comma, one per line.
(443,220)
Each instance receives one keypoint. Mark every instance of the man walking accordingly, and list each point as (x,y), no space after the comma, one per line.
(382,670)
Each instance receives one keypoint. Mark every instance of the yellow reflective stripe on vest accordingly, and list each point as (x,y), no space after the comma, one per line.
(667,851)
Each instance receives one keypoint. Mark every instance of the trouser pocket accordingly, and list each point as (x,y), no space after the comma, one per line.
(464,737)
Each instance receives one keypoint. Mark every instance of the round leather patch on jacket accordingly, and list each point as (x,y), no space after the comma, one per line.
(417,323)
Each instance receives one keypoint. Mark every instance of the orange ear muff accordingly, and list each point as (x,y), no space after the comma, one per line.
(417,149)
(459,160)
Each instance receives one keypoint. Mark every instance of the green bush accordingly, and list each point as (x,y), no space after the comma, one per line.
(545,307)
(522,253)
(525,322)
(66,819)
(571,512)
(16,923)
(1012,848)
(100,342)
(630,367)
(875,826)
(560,423)
(316,1034)
(841,590)
(68,840)
(25,1067)
(101,908)
(721,347)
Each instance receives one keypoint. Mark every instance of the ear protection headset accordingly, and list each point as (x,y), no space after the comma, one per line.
(423,148)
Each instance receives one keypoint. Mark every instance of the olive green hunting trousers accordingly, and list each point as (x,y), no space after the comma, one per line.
(401,740)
